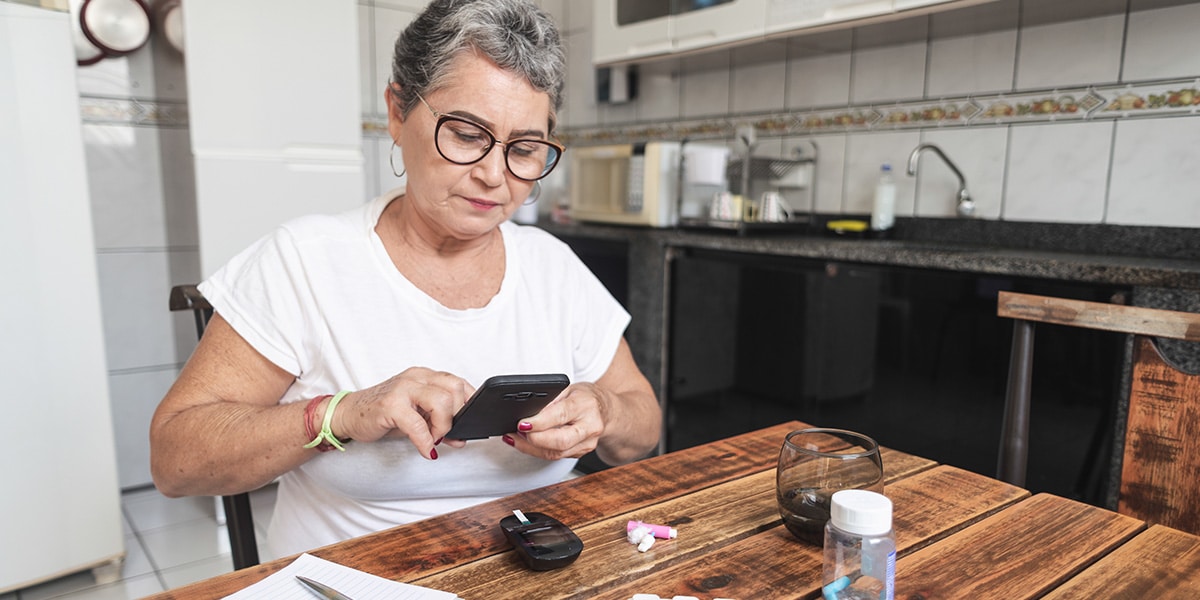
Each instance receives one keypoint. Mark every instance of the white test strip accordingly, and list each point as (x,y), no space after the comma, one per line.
(521,516)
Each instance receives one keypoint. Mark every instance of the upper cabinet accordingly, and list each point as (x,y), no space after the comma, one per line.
(707,23)
(632,30)
(628,29)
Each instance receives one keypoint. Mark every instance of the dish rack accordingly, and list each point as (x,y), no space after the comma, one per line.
(740,171)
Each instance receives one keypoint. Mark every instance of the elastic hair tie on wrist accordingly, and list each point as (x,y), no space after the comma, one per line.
(326,434)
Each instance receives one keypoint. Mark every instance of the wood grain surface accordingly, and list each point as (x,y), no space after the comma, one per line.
(958,534)
(439,543)
(1160,563)
(706,520)
(1022,552)
(1160,474)
(1099,315)
(772,564)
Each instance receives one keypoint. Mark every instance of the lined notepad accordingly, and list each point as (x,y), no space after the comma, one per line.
(356,584)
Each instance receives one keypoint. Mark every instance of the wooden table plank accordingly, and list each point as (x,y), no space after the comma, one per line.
(707,519)
(928,506)
(443,542)
(1160,563)
(1022,552)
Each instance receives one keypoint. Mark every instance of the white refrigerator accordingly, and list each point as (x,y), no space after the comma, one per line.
(59,498)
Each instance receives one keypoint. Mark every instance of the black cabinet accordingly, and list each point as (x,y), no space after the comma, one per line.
(915,358)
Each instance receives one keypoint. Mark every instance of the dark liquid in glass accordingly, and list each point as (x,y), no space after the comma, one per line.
(805,513)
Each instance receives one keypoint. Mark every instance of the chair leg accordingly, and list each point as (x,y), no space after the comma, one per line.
(1014,433)
(242,541)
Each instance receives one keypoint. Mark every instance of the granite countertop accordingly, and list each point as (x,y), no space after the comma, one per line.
(1153,257)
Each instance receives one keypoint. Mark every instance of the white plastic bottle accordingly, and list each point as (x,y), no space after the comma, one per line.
(883,212)
(860,549)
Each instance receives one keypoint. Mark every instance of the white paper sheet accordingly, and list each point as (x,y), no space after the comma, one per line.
(356,584)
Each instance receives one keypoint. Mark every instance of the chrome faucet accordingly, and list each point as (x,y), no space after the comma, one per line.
(966,206)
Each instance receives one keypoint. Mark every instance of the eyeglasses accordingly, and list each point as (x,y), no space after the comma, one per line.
(465,142)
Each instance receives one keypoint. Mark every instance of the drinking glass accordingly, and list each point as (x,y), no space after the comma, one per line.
(815,463)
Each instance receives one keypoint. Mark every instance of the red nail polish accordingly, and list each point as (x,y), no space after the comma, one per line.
(438,442)
(433,454)
(523,426)
(508,440)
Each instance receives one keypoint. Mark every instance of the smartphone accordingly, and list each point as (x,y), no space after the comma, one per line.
(502,401)
(542,541)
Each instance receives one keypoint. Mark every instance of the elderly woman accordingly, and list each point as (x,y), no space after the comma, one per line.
(376,325)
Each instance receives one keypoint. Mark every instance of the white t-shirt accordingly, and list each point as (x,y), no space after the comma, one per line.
(321,299)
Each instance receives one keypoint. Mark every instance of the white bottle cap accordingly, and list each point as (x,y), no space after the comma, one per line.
(861,512)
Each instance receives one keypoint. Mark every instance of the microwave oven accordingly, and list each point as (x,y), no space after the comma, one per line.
(627,184)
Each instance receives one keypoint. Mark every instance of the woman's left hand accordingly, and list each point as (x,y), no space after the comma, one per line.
(568,427)
(617,416)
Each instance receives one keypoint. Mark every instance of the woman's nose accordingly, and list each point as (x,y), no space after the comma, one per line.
(492,167)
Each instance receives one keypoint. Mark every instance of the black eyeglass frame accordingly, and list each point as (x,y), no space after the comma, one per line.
(442,119)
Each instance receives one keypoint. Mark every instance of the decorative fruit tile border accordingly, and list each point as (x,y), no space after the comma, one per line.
(1178,97)
(375,126)
(130,111)
(1066,104)
(1149,99)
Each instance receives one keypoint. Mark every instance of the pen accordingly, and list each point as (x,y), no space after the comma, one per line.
(322,590)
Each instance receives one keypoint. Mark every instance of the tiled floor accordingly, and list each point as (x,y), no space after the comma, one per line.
(168,543)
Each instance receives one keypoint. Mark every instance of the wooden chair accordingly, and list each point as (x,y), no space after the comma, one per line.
(1160,471)
(238,518)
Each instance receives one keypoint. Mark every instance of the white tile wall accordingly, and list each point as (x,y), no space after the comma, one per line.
(888,73)
(366,59)
(1160,43)
(139,330)
(387,25)
(761,86)
(1058,172)
(125,179)
(142,191)
(135,395)
(659,91)
(1064,45)
(819,81)
(1070,53)
(972,64)
(1154,173)
(579,103)
(706,92)
(978,152)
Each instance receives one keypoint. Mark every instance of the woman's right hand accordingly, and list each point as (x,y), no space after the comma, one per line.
(419,404)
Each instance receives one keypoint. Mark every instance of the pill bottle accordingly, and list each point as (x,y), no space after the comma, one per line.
(860,549)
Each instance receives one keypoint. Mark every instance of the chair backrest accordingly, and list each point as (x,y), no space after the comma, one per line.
(239,520)
(1160,470)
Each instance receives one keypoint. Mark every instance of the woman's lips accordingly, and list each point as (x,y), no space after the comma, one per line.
(482,204)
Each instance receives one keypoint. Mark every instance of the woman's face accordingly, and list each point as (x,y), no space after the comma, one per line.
(467,201)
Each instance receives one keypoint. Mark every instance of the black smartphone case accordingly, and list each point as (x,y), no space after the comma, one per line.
(502,401)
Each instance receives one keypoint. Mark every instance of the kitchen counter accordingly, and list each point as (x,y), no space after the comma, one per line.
(1159,266)
(1065,263)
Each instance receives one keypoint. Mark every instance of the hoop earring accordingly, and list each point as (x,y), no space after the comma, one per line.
(392,161)
(537,186)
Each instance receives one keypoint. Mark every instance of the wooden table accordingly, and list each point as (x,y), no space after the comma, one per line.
(959,535)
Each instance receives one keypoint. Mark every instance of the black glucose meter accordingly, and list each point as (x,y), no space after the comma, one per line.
(541,541)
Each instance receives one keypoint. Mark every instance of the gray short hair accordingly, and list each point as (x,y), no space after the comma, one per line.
(515,34)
